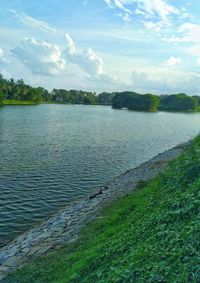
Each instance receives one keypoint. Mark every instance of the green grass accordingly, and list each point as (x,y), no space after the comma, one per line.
(18,102)
(150,235)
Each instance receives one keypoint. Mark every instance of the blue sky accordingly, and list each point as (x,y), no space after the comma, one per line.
(114,45)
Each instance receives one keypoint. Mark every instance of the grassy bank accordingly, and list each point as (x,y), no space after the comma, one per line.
(18,102)
(150,235)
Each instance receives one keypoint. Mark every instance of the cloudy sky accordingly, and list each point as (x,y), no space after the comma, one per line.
(141,45)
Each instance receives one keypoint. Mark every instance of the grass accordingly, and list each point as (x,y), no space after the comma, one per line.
(18,102)
(150,235)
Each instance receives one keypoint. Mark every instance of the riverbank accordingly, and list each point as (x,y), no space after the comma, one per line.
(18,102)
(65,226)
(29,102)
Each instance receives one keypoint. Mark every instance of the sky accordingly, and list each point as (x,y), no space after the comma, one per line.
(148,46)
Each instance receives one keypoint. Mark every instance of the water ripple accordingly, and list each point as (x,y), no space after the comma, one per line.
(54,154)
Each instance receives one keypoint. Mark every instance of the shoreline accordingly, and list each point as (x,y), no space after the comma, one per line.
(31,103)
(65,226)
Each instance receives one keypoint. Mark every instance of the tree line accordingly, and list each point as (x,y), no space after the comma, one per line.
(19,91)
(136,101)
(11,90)
(152,103)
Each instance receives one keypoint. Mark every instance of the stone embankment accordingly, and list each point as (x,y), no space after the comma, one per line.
(65,226)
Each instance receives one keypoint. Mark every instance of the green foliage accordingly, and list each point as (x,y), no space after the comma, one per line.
(178,102)
(141,184)
(151,235)
(18,102)
(19,91)
(74,96)
(11,90)
(155,102)
(1,98)
(135,101)
(105,98)
(149,102)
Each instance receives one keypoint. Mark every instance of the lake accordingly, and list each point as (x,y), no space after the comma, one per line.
(51,155)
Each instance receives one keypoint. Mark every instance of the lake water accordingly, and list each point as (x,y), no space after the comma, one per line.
(51,155)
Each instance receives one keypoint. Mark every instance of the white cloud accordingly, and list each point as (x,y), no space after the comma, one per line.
(125,17)
(153,26)
(198,62)
(32,22)
(194,50)
(190,32)
(86,58)
(1,52)
(44,58)
(144,82)
(71,47)
(5,74)
(157,8)
(95,77)
(147,8)
(160,81)
(172,61)
(105,82)
(121,4)
(41,57)
(187,32)
(3,59)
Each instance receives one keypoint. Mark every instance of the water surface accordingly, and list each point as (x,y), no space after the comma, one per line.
(53,154)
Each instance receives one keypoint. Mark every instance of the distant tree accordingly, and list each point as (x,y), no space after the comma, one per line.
(1,98)
(74,96)
(105,98)
(90,98)
(178,102)
(155,102)
(18,90)
(119,100)
(136,101)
